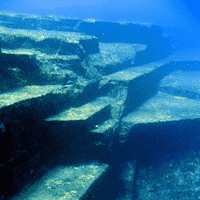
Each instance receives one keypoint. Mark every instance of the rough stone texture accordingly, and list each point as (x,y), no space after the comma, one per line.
(182,84)
(75,93)
(161,108)
(70,182)
(117,56)
(49,42)
(107,32)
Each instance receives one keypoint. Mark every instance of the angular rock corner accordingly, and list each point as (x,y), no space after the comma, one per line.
(85,103)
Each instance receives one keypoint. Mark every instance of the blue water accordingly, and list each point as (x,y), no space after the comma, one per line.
(181,20)
(179,13)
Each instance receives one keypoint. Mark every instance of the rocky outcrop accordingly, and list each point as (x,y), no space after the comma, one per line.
(108,32)
(81,102)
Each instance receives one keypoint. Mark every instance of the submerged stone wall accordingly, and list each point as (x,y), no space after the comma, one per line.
(83,91)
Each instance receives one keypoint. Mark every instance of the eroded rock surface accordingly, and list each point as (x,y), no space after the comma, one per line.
(94,103)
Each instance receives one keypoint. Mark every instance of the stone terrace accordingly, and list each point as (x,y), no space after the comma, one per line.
(95,110)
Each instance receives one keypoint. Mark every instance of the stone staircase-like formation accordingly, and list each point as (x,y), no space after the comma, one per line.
(84,105)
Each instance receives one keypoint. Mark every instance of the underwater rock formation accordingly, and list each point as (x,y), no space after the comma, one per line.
(87,105)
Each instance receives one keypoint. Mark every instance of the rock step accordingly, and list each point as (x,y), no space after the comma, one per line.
(117,56)
(109,32)
(58,67)
(65,182)
(27,92)
(182,83)
(33,101)
(92,113)
(27,105)
(49,42)
(133,72)
(133,86)
(162,107)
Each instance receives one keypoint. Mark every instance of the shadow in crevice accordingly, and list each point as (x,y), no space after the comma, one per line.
(48,146)
(143,88)
(150,144)
(154,145)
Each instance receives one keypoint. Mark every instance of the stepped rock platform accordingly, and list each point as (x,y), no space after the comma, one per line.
(65,182)
(96,110)
(163,108)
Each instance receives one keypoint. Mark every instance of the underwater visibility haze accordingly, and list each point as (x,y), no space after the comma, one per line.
(99,99)
(180,17)
(179,13)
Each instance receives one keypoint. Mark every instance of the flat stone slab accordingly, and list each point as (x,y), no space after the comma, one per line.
(162,108)
(25,93)
(39,55)
(132,73)
(114,53)
(182,83)
(65,182)
(52,65)
(50,42)
(83,112)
